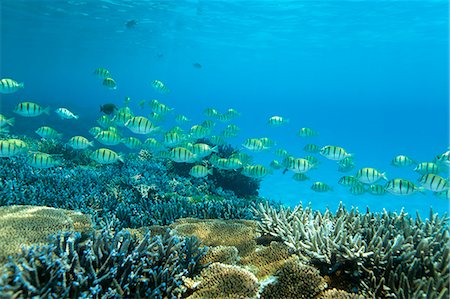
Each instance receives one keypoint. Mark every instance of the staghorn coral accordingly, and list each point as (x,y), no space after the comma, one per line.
(382,255)
(214,232)
(337,294)
(294,280)
(221,281)
(221,254)
(32,225)
(266,260)
(103,265)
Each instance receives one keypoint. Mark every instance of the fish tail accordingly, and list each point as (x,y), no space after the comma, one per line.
(46,110)
(21,85)
(121,159)
(76,116)
(11,121)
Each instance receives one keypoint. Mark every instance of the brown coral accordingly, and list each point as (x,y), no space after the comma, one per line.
(337,294)
(221,254)
(32,225)
(214,232)
(267,260)
(295,280)
(221,281)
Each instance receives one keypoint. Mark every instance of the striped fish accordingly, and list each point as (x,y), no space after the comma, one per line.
(299,165)
(427,167)
(332,152)
(369,175)
(307,132)
(6,121)
(321,187)
(43,160)
(160,87)
(94,131)
(181,119)
(8,149)
(121,118)
(348,181)
(202,150)
(281,153)
(106,156)
(132,142)
(48,132)
(200,171)
(256,171)
(376,190)
(102,73)
(140,125)
(104,121)
(277,121)
(311,148)
(300,177)
(210,112)
(10,86)
(267,142)
(108,138)
(109,83)
(29,109)
(172,139)
(434,182)
(402,161)
(275,164)
(182,155)
(199,132)
(357,189)
(401,187)
(79,142)
(443,194)
(346,164)
(20,144)
(152,144)
(253,144)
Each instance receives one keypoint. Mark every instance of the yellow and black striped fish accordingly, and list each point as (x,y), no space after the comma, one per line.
(401,187)
(106,156)
(321,187)
(182,155)
(79,142)
(30,109)
(110,83)
(334,152)
(102,73)
(402,161)
(160,87)
(140,125)
(10,86)
(434,182)
(427,167)
(8,149)
(43,160)
(369,175)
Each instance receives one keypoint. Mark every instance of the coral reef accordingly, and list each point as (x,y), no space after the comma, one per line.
(380,255)
(294,280)
(137,193)
(337,294)
(103,265)
(31,225)
(221,254)
(266,260)
(214,232)
(221,281)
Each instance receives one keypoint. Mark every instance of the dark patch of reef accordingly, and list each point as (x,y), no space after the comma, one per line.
(143,229)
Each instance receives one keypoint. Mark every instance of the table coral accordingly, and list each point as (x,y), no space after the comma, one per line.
(32,225)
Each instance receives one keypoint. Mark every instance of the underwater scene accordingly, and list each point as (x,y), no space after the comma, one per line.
(224,149)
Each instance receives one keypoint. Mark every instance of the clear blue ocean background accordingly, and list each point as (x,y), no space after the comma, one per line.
(370,76)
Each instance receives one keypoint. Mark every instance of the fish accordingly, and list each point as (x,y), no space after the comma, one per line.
(121,118)
(256,171)
(142,104)
(401,187)
(172,139)
(200,171)
(281,153)
(357,189)
(8,149)
(197,65)
(321,187)
(108,138)
(376,190)
(6,121)
(152,144)
(156,117)
(160,87)
(181,119)
(182,155)
(307,132)
(300,177)
(8,86)
(275,164)
(160,107)
(131,24)
(311,148)
(95,130)
(369,175)
(427,167)
(332,152)
(30,109)
(267,142)
(104,121)
(346,164)
(102,73)
(108,108)
(245,158)
(199,132)
(140,125)
(434,182)
(106,156)
(79,142)
(298,165)
(132,142)
(443,194)
(348,181)
(313,160)
(276,121)
(43,160)
(253,144)
(210,112)
(65,113)
(110,83)
(21,145)
(203,150)
(402,161)
(48,132)
(208,124)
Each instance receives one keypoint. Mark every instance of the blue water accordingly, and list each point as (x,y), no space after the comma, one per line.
(370,76)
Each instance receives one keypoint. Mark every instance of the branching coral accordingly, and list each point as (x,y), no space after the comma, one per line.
(31,225)
(103,265)
(385,254)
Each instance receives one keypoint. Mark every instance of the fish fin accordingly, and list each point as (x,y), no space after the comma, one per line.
(121,158)
(76,116)
(59,135)
(11,121)
(91,143)
(383,176)
(21,85)
(46,110)
(215,149)
(210,171)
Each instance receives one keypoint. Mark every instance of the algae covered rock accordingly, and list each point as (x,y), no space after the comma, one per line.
(32,225)
(221,281)
(214,232)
